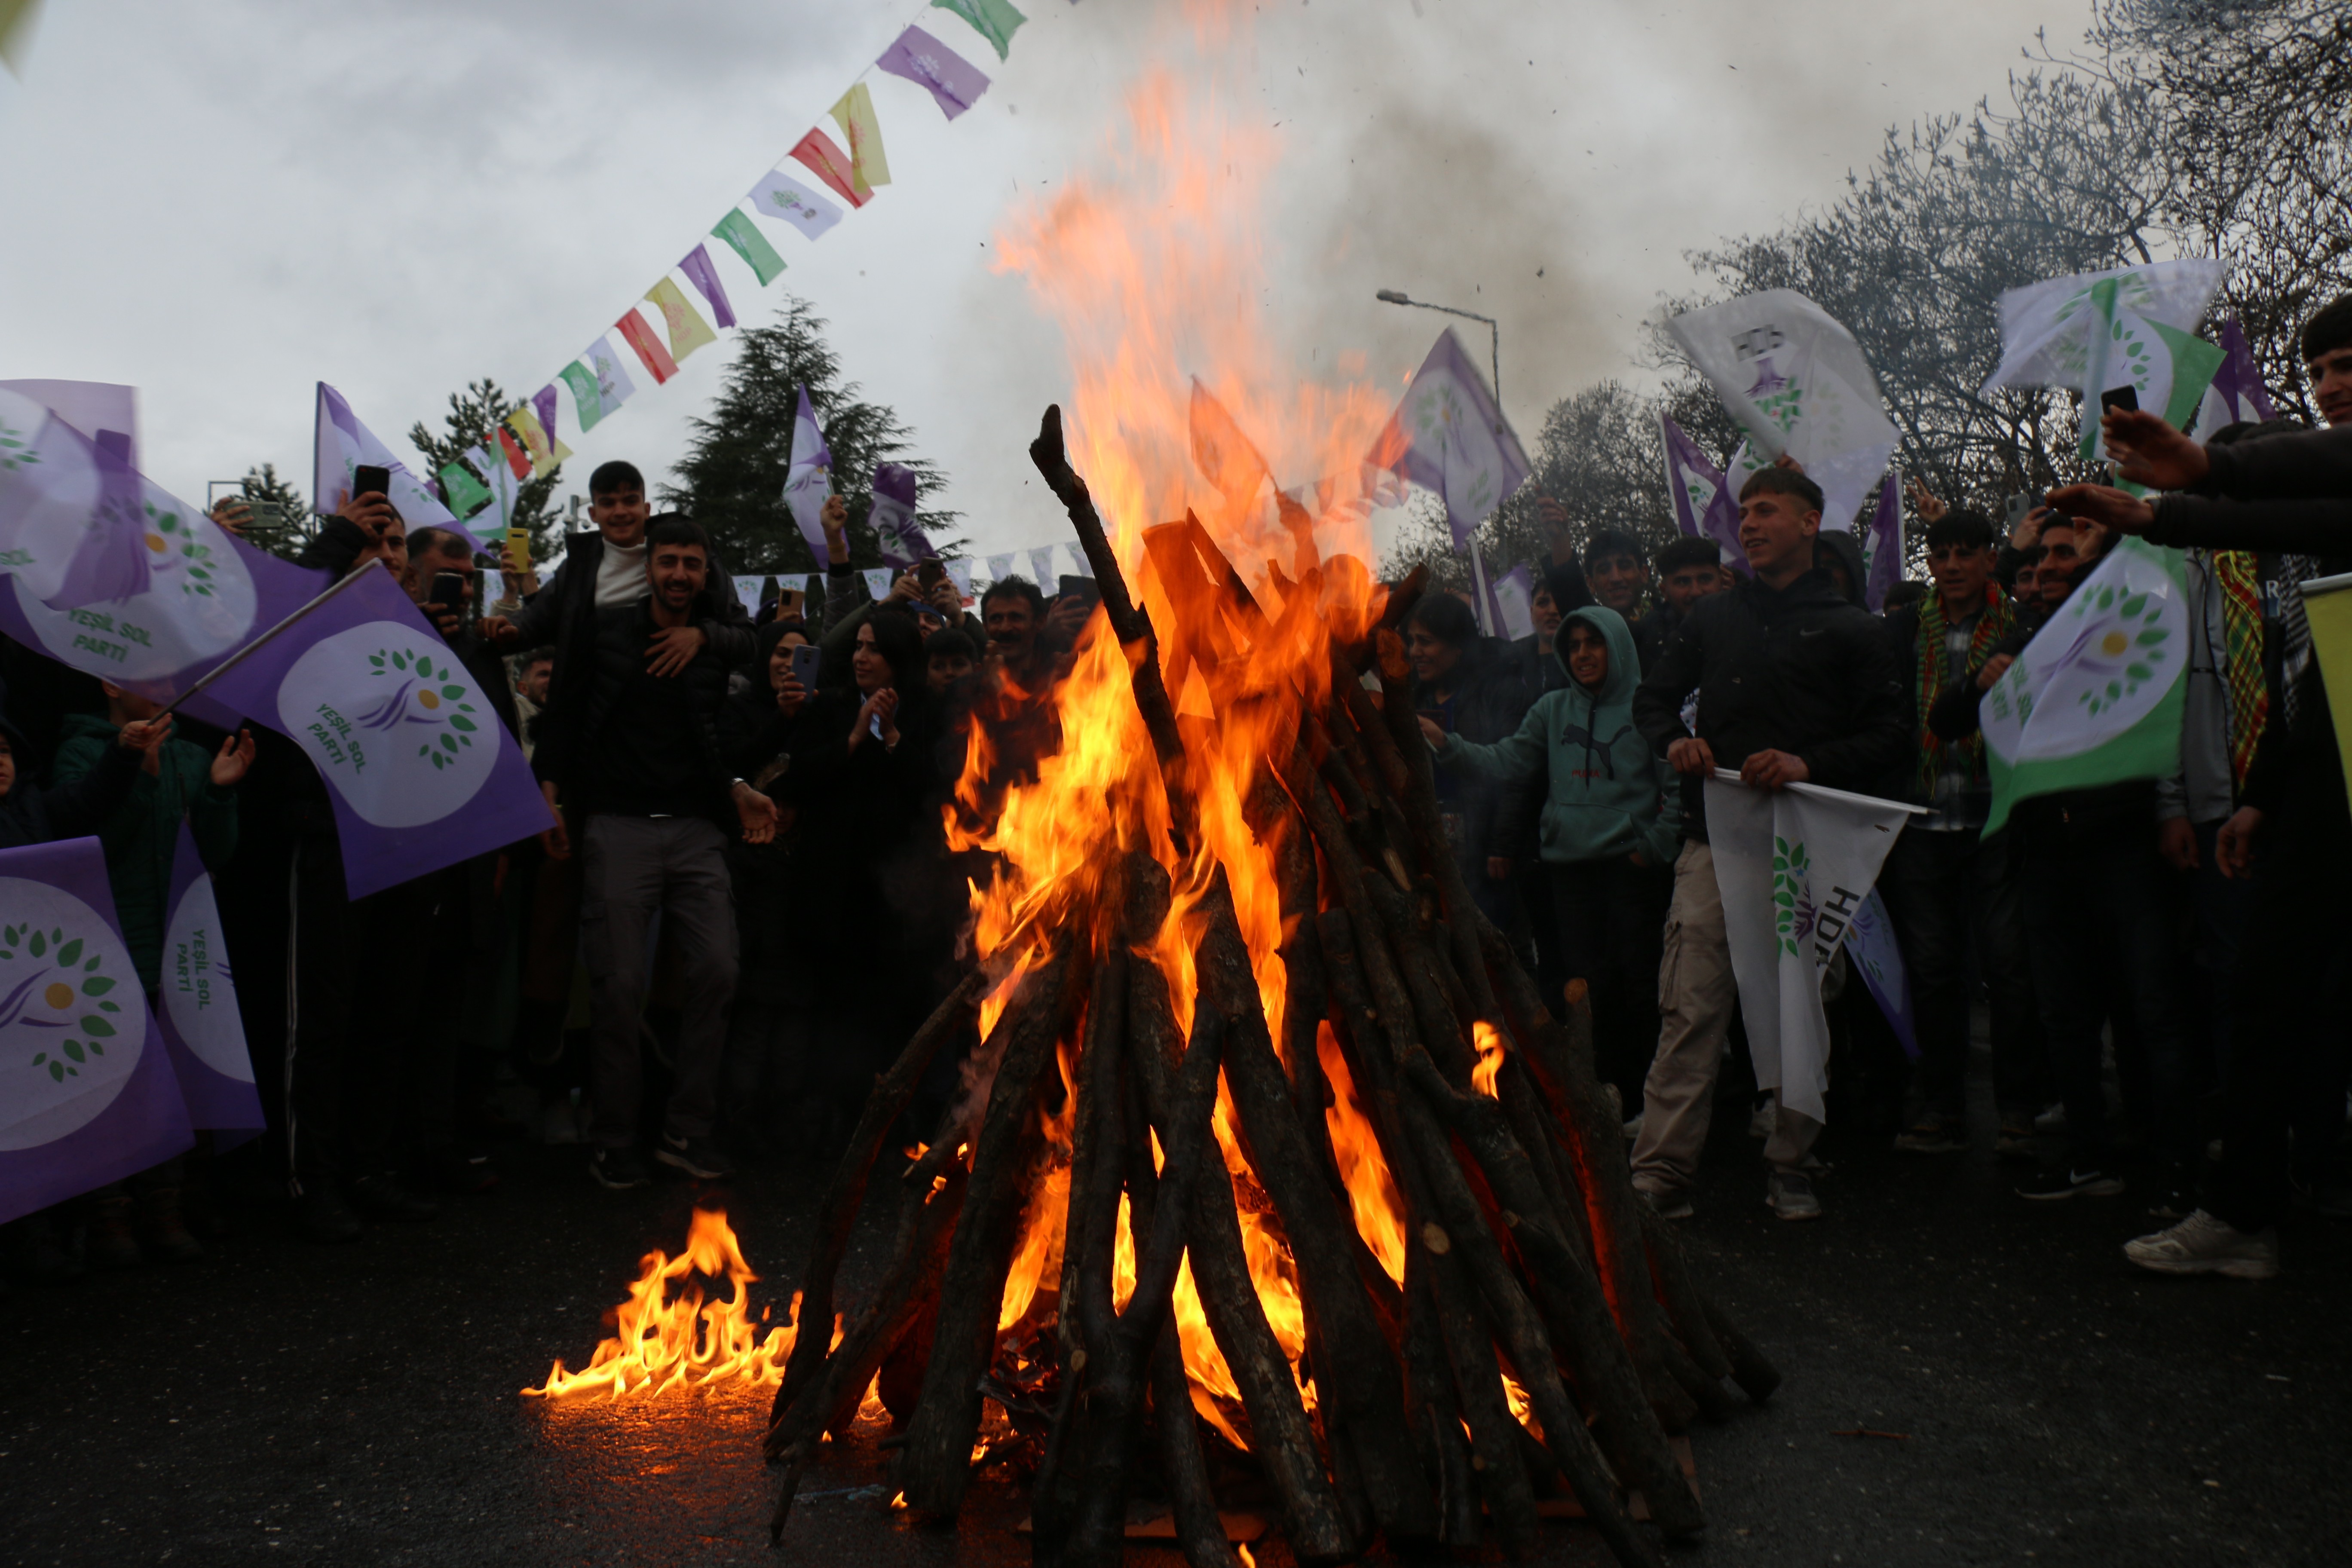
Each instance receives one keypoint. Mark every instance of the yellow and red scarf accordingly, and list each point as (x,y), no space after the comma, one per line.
(1999,619)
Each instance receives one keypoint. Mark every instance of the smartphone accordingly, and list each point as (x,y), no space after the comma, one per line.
(2019,505)
(1082,587)
(930,574)
(806,657)
(448,592)
(2115,397)
(369,477)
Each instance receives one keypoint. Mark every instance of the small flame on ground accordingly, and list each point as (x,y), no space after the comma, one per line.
(663,1341)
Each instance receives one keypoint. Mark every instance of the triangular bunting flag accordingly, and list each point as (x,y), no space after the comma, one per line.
(749,244)
(687,330)
(868,167)
(650,353)
(992,20)
(705,279)
(831,165)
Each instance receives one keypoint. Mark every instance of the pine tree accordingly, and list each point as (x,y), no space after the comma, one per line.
(473,420)
(732,477)
(278,519)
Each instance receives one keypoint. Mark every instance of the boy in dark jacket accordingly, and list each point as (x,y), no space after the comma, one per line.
(1794,683)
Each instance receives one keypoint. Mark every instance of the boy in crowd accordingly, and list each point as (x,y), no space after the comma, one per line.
(1794,684)
(1949,889)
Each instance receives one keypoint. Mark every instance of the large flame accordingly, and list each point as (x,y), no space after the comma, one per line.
(1151,267)
(663,1341)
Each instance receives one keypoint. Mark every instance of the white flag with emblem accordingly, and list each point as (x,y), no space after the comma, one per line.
(1794,865)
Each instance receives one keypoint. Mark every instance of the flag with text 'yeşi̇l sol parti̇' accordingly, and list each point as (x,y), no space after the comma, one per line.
(197,1016)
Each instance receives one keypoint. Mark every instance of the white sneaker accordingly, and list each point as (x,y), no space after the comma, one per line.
(1790,1195)
(2204,1244)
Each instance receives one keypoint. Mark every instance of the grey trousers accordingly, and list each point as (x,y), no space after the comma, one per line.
(1696,996)
(630,868)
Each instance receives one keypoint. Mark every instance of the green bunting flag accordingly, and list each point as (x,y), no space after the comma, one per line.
(750,245)
(994,20)
(465,494)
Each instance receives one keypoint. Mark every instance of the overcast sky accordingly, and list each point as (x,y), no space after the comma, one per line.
(222,203)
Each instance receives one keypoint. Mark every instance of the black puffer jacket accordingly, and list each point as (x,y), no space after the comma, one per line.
(620,638)
(1799,671)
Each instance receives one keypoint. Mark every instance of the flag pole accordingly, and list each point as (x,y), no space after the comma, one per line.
(249,650)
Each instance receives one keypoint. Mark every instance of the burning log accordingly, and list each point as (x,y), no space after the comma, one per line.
(1395,1263)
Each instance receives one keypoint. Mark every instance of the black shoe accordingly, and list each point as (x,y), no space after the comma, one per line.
(321,1216)
(2071,1182)
(618,1169)
(451,1170)
(380,1198)
(108,1242)
(694,1156)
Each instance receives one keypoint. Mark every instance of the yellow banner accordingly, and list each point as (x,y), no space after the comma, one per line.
(545,450)
(687,330)
(867,165)
(2327,601)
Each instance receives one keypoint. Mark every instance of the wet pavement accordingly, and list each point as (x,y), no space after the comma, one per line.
(284,1404)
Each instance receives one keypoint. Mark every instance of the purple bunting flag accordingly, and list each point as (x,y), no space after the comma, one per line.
(954,84)
(543,403)
(419,769)
(904,543)
(197,1014)
(87,1094)
(705,277)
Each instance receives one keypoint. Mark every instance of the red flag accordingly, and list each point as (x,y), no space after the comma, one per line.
(650,347)
(516,459)
(826,159)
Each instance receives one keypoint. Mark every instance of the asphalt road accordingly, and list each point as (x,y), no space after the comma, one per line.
(284,1404)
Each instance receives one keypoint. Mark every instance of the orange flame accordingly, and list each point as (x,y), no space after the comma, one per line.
(1151,266)
(1484,1077)
(662,1342)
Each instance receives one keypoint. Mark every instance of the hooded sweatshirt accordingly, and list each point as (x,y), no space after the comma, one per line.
(1842,542)
(1610,794)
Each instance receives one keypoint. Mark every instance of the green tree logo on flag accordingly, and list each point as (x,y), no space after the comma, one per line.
(72,1023)
(1792,893)
(16,451)
(170,536)
(2095,699)
(425,694)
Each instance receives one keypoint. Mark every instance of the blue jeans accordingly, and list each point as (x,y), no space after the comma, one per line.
(2100,932)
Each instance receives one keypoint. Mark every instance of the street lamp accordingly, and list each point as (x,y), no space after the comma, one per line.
(1399,297)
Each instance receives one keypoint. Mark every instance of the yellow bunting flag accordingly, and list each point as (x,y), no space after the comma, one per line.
(16,17)
(868,167)
(687,330)
(545,450)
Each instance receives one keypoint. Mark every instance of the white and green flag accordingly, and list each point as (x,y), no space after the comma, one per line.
(1795,867)
(2099,332)
(2095,697)
(1797,382)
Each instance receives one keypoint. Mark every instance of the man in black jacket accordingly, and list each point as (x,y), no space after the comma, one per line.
(1794,684)
(635,753)
(2290,493)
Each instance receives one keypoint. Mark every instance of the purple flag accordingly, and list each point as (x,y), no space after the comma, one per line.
(87,1094)
(1886,543)
(1447,436)
(543,403)
(197,1015)
(705,277)
(808,482)
(2237,393)
(421,773)
(202,594)
(922,59)
(1870,938)
(904,541)
(1704,505)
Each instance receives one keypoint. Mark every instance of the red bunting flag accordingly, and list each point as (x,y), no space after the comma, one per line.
(649,348)
(826,159)
(516,458)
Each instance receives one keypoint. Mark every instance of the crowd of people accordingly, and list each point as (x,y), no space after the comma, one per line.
(748,899)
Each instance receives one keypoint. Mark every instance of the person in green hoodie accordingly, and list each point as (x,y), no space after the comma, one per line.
(1609,827)
(176,779)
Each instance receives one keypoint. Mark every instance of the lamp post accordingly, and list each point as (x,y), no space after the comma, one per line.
(1399,297)
(1487,611)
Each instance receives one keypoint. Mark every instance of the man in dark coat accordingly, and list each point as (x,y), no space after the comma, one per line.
(633,747)
(1795,684)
